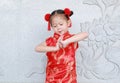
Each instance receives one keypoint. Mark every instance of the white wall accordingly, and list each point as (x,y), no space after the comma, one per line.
(22,27)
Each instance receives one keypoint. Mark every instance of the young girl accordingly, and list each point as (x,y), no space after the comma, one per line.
(60,48)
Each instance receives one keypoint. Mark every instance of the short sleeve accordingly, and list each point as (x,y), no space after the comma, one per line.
(76,45)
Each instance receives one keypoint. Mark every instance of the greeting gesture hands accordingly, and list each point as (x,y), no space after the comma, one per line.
(62,43)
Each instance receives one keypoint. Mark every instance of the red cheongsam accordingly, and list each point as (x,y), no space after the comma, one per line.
(61,65)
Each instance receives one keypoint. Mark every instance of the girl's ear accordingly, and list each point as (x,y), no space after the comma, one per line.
(69,23)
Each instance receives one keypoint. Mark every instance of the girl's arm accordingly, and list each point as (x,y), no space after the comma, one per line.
(44,48)
(77,37)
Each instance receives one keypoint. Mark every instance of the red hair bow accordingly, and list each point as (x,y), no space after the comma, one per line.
(67,11)
(47,18)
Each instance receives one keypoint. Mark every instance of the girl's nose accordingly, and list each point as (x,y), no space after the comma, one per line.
(58,28)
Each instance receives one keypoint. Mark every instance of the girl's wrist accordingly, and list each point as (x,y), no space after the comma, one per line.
(66,42)
(56,48)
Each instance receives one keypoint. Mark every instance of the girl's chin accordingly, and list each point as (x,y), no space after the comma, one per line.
(61,32)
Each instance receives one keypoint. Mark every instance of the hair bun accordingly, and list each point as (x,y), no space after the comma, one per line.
(67,11)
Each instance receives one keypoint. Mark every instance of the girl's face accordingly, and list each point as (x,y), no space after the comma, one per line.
(60,24)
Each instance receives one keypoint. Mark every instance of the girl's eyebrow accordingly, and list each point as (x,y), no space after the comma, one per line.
(54,24)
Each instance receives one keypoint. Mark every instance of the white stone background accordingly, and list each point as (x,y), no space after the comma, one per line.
(22,27)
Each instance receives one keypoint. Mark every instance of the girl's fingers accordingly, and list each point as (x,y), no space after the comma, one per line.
(60,45)
(60,41)
(60,38)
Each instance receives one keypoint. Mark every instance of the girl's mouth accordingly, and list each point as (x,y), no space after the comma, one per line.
(61,32)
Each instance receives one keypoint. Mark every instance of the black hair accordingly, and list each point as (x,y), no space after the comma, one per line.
(60,11)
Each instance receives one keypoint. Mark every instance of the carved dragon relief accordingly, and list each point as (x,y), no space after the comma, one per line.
(37,70)
(100,54)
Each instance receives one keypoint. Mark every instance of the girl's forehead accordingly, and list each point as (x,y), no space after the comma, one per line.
(58,16)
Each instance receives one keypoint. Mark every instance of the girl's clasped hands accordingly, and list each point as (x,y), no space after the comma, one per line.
(61,43)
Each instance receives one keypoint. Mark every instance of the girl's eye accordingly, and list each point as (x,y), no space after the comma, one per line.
(54,26)
(61,24)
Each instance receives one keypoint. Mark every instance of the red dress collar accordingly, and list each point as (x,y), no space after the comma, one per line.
(56,35)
